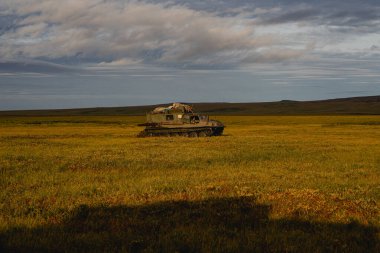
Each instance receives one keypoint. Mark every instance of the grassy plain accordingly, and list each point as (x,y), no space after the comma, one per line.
(270,184)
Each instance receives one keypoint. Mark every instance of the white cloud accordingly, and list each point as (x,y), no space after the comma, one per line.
(119,63)
(125,33)
(118,33)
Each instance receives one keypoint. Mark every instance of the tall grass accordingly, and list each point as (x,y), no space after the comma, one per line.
(317,173)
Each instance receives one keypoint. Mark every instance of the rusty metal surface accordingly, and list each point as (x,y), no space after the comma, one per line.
(179,119)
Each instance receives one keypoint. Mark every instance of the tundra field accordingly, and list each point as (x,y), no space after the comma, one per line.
(269,184)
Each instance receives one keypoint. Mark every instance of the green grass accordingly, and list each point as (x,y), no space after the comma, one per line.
(270,184)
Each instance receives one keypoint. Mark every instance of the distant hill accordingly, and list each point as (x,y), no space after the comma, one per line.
(342,106)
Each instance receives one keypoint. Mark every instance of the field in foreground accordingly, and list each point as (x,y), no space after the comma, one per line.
(270,184)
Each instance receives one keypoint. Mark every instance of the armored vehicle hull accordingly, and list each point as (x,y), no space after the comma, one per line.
(179,120)
(187,131)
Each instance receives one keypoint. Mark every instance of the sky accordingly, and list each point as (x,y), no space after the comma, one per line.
(100,53)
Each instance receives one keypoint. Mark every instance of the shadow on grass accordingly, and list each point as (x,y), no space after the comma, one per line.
(214,225)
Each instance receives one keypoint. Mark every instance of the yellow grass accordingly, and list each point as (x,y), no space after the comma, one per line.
(319,170)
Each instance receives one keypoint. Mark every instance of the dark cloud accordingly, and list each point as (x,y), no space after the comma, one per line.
(35,67)
(139,31)
(106,53)
(369,17)
(326,15)
(177,32)
(292,16)
(8,22)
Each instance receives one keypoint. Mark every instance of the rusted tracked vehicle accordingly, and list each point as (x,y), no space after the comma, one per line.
(179,120)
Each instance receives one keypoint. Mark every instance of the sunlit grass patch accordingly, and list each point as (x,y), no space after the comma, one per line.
(310,173)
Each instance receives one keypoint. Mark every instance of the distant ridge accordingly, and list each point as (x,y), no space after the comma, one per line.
(341,106)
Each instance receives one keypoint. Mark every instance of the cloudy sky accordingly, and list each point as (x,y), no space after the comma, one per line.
(87,53)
